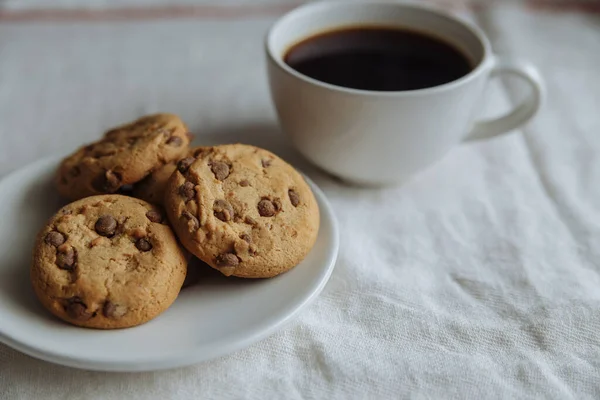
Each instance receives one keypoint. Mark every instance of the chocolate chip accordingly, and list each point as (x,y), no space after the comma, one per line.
(268,208)
(246,238)
(54,238)
(250,220)
(113,310)
(193,223)
(184,164)
(76,309)
(244,183)
(108,309)
(66,258)
(223,210)
(266,163)
(109,182)
(220,169)
(187,191)
(106,225)
(175,141)
(154,216)
(294,197)
(143,244)
(227,260)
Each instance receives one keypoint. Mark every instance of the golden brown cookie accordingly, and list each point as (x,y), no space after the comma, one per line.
(242,210)
(152,188)
(107,262)
(124,156)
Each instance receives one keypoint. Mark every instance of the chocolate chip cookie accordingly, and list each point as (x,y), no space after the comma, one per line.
(124,156)
(242,210)
(107,262)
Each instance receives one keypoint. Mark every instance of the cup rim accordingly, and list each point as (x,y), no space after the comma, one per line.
(472,28)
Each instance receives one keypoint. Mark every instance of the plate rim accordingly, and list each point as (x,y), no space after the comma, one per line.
(189,356)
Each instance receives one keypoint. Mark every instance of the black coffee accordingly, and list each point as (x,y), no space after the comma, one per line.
(382,59)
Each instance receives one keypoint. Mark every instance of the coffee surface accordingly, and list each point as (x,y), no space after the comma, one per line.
(378,59)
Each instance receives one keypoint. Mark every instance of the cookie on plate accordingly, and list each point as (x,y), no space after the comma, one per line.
(242,210)
(124,156)
(152,188)
(107,261)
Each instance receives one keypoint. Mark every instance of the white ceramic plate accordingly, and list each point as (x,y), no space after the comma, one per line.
(211,318)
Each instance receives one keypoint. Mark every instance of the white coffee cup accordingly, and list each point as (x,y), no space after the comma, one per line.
(376,137)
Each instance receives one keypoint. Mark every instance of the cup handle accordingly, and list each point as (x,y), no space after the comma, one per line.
(520,114)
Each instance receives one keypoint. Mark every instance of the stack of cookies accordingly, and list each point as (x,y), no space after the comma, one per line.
(113,258)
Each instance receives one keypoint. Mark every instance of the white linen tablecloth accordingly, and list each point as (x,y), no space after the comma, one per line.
(480,278)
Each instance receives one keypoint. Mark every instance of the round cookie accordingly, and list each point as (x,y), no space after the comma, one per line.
(242,210)
(107,262)
(152,188)
(124,156)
